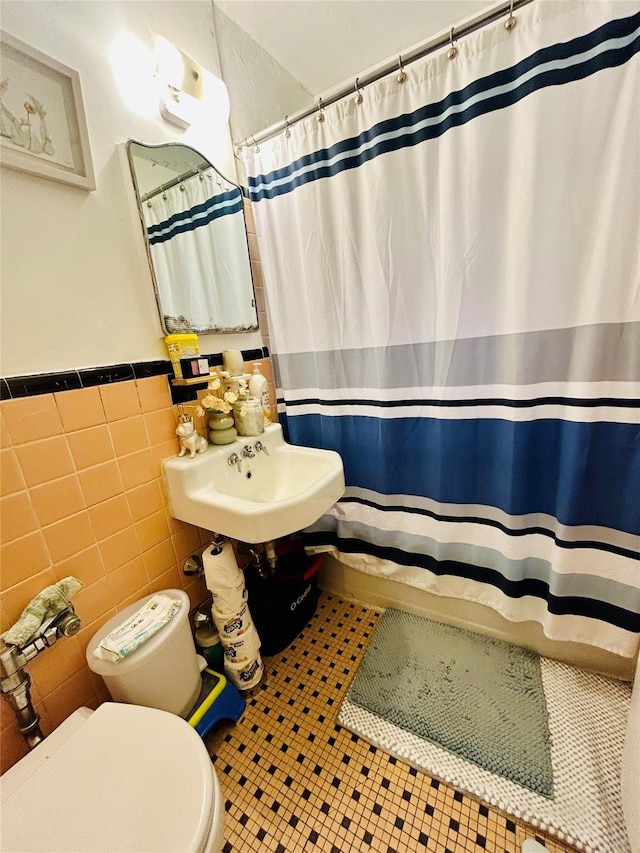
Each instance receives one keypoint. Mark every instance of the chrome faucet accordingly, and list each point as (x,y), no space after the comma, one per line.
(248,452)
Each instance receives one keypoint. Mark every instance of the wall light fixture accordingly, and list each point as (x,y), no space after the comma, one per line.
(188,91)
(181,83)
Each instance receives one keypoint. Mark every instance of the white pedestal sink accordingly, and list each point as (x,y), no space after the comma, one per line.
(261,494)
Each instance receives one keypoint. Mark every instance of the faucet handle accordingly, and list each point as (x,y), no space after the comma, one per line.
(234,459)
(260,447)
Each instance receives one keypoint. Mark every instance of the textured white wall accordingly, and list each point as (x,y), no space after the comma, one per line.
(262,92)
(323,43)
(76,288)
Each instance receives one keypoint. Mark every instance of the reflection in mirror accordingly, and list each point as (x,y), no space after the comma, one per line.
(194,227)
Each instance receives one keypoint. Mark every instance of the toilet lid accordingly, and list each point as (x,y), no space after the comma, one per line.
(129,779)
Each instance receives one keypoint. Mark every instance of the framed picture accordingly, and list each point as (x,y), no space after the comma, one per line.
(43,129)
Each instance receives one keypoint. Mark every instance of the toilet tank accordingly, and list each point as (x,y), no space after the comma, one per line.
(163,672)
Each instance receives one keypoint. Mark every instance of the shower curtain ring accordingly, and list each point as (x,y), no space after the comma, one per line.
(453,50)
(320,110)
(511,21)
(401,72)
(287,132)
(358,98)
(256,147)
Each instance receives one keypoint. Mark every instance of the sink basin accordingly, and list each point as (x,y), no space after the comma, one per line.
(269,497)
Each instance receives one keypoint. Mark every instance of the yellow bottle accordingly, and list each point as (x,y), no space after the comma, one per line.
(180,346)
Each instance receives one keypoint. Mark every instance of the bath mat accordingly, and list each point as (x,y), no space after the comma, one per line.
(479,698)
(587,722)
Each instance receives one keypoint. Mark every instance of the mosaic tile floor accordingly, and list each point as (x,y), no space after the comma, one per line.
(294,780)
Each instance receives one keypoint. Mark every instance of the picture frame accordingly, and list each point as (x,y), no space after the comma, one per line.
(43,127)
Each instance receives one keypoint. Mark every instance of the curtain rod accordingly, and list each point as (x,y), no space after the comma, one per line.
(390,67)
(191,173)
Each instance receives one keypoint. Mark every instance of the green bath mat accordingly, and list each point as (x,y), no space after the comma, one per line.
(476,697)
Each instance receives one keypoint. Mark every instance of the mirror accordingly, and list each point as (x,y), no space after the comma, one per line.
(194,228)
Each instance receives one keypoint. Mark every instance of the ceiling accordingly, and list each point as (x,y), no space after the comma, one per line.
(323,43)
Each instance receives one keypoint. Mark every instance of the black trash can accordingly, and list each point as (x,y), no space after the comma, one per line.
(282,604)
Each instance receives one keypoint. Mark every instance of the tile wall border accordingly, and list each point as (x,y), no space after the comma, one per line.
(33,385)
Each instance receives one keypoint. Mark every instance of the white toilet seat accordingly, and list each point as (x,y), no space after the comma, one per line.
(122,778)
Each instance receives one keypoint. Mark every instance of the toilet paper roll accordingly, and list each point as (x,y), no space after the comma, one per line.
(218,617)
(228,639)
(229,601)
(245,648)
(221,570)
(244,675)
(234,625)
(224,586)
(244,669)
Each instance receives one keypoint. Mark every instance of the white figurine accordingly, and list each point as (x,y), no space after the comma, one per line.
(190,439)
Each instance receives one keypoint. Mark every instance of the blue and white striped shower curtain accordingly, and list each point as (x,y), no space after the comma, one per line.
(181,234)
(452,271)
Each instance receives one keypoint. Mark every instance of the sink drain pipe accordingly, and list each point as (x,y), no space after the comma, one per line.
(270,554)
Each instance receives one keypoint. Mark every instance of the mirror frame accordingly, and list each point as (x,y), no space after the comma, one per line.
(138,194)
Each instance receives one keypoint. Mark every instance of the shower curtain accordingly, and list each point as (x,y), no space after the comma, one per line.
(452,273)
(195,225)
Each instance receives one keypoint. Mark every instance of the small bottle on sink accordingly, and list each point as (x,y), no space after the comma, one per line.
(259,388)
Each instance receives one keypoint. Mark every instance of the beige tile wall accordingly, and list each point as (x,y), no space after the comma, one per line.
(82,494)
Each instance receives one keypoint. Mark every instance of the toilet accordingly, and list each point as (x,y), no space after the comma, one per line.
(124,777)
(132,775)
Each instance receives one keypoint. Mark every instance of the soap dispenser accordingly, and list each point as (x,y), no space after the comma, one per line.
(259,388)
